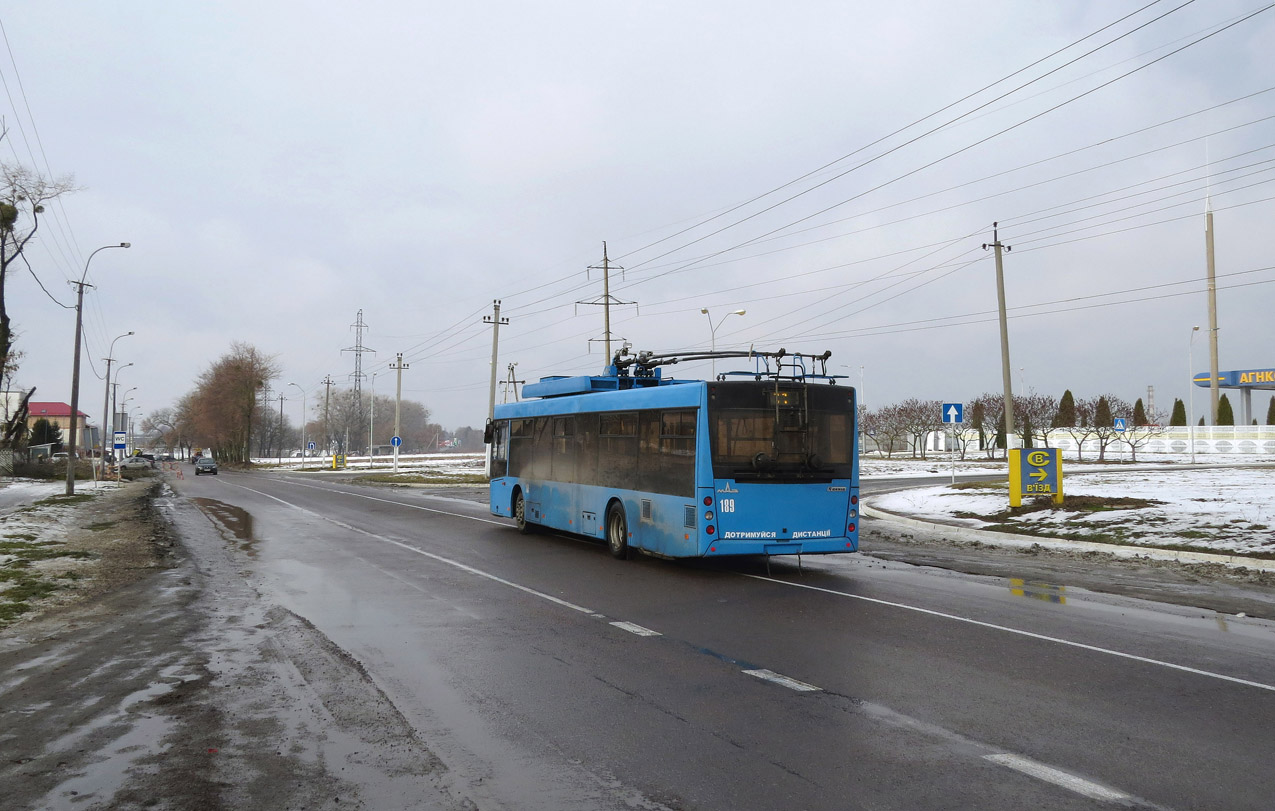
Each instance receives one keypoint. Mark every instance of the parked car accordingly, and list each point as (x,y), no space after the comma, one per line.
(205,464)
(135,463)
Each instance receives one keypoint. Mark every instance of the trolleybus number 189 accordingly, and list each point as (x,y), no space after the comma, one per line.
(727,505)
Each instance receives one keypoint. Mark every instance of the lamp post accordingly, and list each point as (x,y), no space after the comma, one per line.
(115,390)
(712,331)
(72,451)
(303,448)
(106,401)
(1190,392)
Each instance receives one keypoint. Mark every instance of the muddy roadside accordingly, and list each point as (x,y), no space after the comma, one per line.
(162,680)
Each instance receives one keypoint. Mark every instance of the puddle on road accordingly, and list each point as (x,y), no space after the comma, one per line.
(235,523)
(1038,591)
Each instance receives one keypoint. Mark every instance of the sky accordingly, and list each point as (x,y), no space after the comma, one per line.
(831,168)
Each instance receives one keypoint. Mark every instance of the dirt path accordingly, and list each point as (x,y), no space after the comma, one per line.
(165,682)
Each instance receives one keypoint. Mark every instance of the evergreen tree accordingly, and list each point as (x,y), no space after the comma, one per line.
(1225,415)
(1140,413)
(1066,417)
(1270,412)
(1102,414)
(1178,419)
(44,432)
(1201,421)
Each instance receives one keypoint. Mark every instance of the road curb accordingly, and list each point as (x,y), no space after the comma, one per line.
(1012,541)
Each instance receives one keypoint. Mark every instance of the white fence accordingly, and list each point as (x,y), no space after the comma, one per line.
(1216,439)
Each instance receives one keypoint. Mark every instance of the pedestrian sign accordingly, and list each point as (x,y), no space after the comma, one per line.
(954,413)
(1035,472)
(1119,424)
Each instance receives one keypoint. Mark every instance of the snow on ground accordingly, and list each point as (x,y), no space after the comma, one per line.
(1228,510)
(428,464)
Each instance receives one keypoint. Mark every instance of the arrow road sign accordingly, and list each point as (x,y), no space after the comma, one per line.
(396,441)
(310,446)
(954,413)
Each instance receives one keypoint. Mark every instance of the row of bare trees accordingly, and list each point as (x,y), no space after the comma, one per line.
(233,411)
(904,426)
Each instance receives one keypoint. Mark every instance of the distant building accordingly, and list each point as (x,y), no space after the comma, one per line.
(59,414)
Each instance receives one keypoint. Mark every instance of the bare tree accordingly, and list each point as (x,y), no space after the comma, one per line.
(226,402)
(1139,436)
(1082,428)
(919,418)
(1034,413)
(23,196)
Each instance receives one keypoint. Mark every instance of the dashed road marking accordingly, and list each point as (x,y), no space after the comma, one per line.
(636,629)
(1085,788)
(784,681)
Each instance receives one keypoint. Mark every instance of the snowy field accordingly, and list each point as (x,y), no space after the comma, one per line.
(434,465)
(1227,510)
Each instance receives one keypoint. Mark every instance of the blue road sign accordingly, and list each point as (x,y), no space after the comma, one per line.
(396,441)
(1119,424)
(954,413)
(120,438)
(311,446)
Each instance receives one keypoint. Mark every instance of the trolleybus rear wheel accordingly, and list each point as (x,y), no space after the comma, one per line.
(617,532)
(520,514)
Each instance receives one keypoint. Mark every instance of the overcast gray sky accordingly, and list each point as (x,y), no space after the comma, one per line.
(279,166)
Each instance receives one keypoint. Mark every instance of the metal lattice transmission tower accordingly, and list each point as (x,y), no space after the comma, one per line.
(606,301)
(358,349)
(510,384)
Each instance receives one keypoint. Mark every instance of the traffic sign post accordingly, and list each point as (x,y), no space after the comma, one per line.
(1035,472)
(953,414)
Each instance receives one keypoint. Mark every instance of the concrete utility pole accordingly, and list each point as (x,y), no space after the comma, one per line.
(398,366)
(358,349)
(495,320)
(607,299)
(326,382)
(109,427)
(1006,373)
(281,398)
(72,452)
(510,384)
(1212,271)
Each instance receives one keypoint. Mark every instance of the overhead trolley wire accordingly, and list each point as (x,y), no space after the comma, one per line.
(967,147)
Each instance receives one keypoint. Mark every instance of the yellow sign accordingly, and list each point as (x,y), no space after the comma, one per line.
(1035,472)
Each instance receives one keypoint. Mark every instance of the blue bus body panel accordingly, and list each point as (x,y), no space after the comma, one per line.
(784,519)
(748,518)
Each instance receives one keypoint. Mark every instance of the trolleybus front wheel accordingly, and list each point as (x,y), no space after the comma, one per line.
(520,514)
(617,532)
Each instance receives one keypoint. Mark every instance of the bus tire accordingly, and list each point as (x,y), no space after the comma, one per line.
(520,514)
(617,531)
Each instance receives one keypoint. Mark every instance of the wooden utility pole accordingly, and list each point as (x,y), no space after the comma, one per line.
(1006,373)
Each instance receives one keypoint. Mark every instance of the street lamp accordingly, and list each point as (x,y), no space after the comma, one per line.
(75,368)
(303,446)
(106,399)
(1190,392)
(712,331)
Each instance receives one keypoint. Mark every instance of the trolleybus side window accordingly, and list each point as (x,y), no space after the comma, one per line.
(617,449)
(500,449)
(564,450)
(667,463)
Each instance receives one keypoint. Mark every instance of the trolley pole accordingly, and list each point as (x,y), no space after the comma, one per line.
(398,366)
(1006,373)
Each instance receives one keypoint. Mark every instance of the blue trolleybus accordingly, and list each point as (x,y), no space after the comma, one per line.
(752,463)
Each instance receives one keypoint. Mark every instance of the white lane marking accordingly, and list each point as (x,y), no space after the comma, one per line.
(1094,648)
(636,629)
(791,684)
(462,566)
(1049,774)
(390,501)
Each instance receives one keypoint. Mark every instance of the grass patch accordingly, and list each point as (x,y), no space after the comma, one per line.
(101,525)
(57,501)
(21,536)
(979,486)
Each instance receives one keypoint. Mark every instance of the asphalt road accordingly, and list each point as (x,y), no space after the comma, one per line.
(545,674)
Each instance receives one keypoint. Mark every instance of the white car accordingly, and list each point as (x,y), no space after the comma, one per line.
(135,463)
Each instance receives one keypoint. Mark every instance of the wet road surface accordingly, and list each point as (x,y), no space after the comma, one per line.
(542,673)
